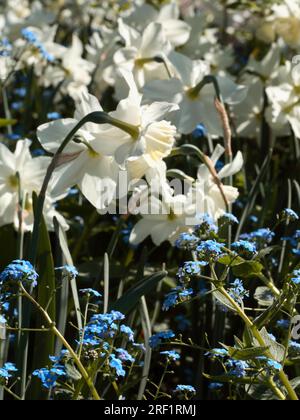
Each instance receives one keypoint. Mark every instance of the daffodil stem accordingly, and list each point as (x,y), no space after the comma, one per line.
(57,333)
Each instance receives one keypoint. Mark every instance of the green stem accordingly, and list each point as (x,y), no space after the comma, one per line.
(284,379)
(57,333)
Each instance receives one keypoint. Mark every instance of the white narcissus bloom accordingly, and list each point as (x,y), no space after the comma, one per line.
(156,135)
(284,109)
(20,172)
(138,54)
(164,217)
(75,71)
(194,108)
(208,196)
(284,22)
(175,30)
(268,67)
(248,115)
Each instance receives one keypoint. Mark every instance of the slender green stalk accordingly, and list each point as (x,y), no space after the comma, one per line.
(57,333)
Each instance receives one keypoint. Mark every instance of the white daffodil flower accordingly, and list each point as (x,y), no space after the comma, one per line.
(20,173)
(82,162)
(284,109)
(175,30)
(267,68)
(207,194)
(139,54)
(74,71)
(284,21)
(195,106)
(164,217)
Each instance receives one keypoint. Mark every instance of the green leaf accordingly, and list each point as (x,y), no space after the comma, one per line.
(295,382)
(72,372)
(248,269)
(264,296)
(230,260)
(277,350)
(132,298)
(248,353)
(222,299)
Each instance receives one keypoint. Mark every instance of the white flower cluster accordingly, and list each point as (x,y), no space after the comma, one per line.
(166,67)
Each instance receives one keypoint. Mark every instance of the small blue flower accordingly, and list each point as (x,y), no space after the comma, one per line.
(185,389)
(230,218)
(69,271)
(294,348)
(127,331)
(157,339)
(7,370)
(187,241)
(53,116)
(124,355)
(296,277)
(49,377)
(217,353)
(171,355)
(261,237)
(283,323)
(199,132)
(237,368)
(116,364)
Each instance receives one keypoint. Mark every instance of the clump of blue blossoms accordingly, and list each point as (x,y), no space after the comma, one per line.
(157,339)
(6,372)
(245,249)
(49,377)
(210,251)
(69,271)
(261,237)
(19,271)
(187,241)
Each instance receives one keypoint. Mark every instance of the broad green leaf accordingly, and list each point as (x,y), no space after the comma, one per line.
(132,298)
(248,353)
(277,350)
(44,344)
(295,382)
(264,296)
(230,260)
(222,299)
(248,269)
